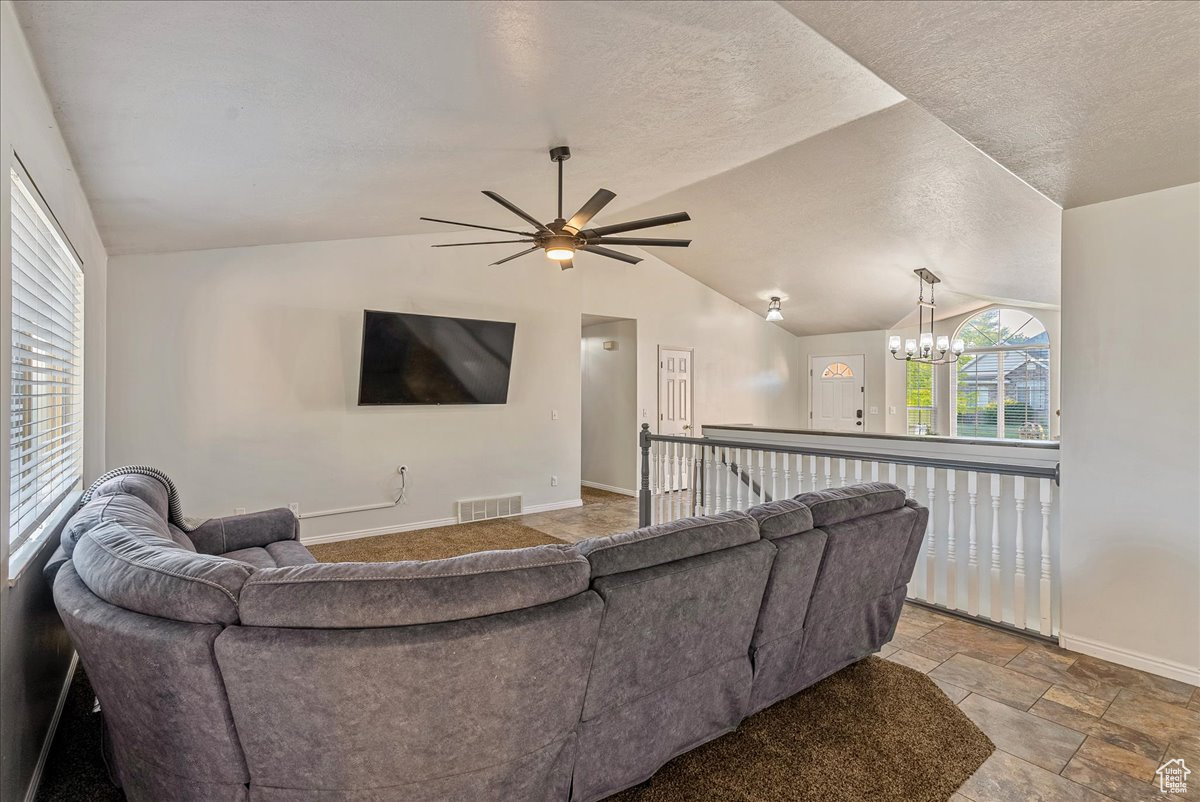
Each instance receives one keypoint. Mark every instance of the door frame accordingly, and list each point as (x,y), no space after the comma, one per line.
(691,401)
(812,384)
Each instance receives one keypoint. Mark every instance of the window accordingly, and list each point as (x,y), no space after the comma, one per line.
(919,398)
(45,442)
(1004,377)
(837,371)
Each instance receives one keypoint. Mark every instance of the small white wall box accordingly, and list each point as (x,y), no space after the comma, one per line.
(611,345)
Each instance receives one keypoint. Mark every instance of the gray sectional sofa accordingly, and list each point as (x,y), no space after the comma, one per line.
(231,666)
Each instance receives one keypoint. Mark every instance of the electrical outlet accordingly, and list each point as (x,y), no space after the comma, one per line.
(239,510)
(891,410)
(554,481)
(874,410)
(294,506)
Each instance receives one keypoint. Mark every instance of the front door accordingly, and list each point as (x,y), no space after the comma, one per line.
(675,403)
(837,399)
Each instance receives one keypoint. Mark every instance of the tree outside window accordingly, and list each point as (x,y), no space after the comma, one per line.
(1003,377)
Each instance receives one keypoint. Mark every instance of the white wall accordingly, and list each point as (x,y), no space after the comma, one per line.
(1131,438)
(872,345)
(34,649)
(236,371)
(610,411)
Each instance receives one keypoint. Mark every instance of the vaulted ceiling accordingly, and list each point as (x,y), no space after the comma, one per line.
(212,124)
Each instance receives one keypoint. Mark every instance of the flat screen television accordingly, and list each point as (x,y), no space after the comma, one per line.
(423,359)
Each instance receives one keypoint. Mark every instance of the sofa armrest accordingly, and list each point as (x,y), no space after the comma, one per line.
(219,535)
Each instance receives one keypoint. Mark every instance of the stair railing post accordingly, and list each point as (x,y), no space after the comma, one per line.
(644,491)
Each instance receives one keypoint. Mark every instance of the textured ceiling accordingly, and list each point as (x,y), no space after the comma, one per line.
(836,225)
(211,124)
(1087,101)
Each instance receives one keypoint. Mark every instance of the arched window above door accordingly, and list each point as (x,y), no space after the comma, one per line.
(1003,377)
(837,370)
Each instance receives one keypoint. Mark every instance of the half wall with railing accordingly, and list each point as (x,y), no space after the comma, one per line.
(991,547)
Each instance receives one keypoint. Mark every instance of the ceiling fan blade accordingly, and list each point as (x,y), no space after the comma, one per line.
(589,210)
(473,225)
(491,242)
(633,225)
(620,257)
(514,256)
(567,264)
(517,210)
(662,243)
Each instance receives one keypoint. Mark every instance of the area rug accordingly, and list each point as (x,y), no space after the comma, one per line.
(433,544)
(874,731)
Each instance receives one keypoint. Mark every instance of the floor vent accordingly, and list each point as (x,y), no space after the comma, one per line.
(481,509)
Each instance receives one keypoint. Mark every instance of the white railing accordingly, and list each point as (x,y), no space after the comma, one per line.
(991,547)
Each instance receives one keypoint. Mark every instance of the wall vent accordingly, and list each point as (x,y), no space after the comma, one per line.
(481,509)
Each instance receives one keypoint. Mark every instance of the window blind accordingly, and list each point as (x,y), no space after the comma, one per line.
(919,398)
(45,442)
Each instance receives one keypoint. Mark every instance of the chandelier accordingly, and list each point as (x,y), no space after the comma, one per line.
(927,348)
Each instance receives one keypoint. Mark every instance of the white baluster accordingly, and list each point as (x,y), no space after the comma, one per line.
(762,476)
(707,473)
(995,594)
(858,472)
(723,479)
(951,555)
(892,475)
(697,470)
(775,476)
(972,545)
(1045,492)
(828,472)
(874,471)
(654,481)
(1019,592)
(842,471)
(912,482)
(787,475)
(812,465)
(664,486)
(931,539)
(737,460)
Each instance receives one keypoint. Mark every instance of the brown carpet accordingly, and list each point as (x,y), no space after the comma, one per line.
(873,731)
(433,544)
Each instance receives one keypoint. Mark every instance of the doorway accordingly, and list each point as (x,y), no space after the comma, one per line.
(675,393)
(608,404)
(837,389)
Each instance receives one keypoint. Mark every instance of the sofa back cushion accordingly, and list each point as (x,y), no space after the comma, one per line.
(147,488)
(839,504)
(478,709)
(135,567)
(123,508)
(664,543)
(343,595)
(782,518)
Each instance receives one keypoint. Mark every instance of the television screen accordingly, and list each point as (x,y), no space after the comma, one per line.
(422,359)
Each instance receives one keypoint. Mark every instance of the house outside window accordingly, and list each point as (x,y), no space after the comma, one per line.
(45,442)
(1003,377)
(919,395)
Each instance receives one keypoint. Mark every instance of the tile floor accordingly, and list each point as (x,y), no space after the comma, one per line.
(1066,726)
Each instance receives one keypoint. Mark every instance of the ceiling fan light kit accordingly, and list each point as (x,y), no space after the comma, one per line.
(561,239)
(924,347)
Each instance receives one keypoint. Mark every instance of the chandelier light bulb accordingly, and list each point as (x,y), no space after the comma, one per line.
(893,344)
(958,346)
(943,343)
(926,342)
(910,346)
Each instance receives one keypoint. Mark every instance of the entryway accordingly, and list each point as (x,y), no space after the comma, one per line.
(836,393)
(608,410)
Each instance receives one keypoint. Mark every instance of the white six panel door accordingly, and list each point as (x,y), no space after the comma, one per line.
(675,403)
(836,398)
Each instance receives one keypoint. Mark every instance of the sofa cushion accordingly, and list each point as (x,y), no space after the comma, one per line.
(134,567)
(664,543)
(340,595)
(782,518)
(838,504)
(122,508)
(147,488)
(275,555)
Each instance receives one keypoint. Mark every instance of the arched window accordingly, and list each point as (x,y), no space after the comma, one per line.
(838,370)
(1004,377)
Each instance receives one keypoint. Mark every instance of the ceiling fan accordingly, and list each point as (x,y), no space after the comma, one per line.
(561,238)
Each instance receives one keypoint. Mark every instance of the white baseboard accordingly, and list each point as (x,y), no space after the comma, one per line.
(1125,657)
(353,534)
(610,488)
(36,780)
